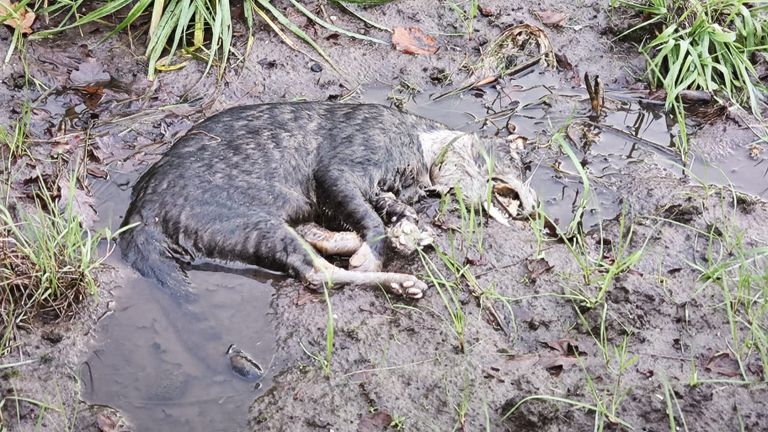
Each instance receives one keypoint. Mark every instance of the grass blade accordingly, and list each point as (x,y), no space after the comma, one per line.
(282,19)
(332,27)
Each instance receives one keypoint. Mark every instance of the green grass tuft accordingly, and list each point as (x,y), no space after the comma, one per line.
(181,29)
(705,45)
(47,264)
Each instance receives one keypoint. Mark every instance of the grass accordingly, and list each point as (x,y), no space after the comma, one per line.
(704,45)
(14,141)
(673,406)
(16,400)
(47,263)
(578,216)
(398,422)
(599,410)
(462,408)
(324,360)
(538,229)
(740,274)
(466,12)
(471,215)
(179,30)
(600,265)
(472,221)
(448,291)
(607,265)
(59,412)
(607,402)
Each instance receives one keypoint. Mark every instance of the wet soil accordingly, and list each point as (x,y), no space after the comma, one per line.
(398,363)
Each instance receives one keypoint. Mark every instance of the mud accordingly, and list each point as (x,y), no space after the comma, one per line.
(398,362)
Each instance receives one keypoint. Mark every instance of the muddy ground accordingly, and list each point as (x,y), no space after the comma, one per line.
(395,364)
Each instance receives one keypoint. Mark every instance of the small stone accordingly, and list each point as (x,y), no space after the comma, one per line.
(317,67)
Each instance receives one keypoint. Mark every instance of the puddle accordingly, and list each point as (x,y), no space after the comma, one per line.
(166,368)
(638,133)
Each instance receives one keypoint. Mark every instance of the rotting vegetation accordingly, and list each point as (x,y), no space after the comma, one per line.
(579,275)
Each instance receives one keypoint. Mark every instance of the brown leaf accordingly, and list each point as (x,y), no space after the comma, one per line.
(82,204)
(25,16)
(376,422)
(413,40)
(106,423)
(566,347)
(486,80)
(92,95)
(486,11)
(306,296)
(722,363)
(537,267)
(98,172)
(568,354)
(571,70)
(63,147)
(556,364)
(551,18)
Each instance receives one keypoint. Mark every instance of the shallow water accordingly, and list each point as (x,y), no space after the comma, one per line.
(166,368)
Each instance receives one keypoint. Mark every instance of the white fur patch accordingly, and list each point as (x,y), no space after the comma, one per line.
(433,142)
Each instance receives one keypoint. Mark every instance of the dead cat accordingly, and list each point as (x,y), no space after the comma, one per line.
(243,185)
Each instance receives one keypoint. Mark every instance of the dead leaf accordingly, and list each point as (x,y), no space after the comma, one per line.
(106,423)
(92,95)
(724,364)
(376,422)
(22,17)
(756,368)
(413,40)
(486,11)
(63,146)
(98,172)
(568,354)
(89,73)
(551,18)
(306,296)
(82,204)
(571,71)
(565,346)
(648,373)
(537,267)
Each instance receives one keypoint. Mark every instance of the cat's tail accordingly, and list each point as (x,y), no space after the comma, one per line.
(143,247)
